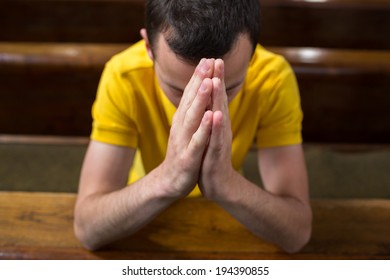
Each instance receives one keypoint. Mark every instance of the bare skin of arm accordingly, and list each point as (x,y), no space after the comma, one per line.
(199,150)
(106,210)
(280,213)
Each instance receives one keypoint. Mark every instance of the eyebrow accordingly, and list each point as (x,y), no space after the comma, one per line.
(227,89)
(174,87)
(235,85)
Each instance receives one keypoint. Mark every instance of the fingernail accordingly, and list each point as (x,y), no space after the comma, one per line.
(203,86)
(204,65)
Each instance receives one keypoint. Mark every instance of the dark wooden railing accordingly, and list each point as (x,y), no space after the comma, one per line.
(49,88)
(332,24)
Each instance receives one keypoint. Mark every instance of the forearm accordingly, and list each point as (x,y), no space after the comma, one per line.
(105,217)
(282,220)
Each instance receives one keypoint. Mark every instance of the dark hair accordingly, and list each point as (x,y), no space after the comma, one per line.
(202,28)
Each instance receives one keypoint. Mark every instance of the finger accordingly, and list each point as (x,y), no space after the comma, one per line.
(219,70)
(194,114)
(201,137)
(220,101)
(204,70)
(216,141)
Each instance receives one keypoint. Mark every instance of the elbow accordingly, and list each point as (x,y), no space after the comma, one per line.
(81,233)
(301,239)
(299,242)
(81,236)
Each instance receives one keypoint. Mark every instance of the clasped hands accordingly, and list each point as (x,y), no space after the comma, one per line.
(199,146)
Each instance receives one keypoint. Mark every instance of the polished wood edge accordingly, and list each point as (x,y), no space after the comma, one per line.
(356,4)
(58,54)
(42,140)
(264,3)
(31,195)
(97,54)
(339,61)
(319,201)
(349,147)
(47,253)
(12,139)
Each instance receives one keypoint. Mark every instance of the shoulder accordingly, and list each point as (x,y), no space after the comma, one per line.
(269,72)
(267,64)
(132,59)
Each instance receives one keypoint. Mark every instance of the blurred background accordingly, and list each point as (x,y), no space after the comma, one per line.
(52,54)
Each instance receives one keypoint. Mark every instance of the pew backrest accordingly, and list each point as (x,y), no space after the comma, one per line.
(49,88)
(354,24)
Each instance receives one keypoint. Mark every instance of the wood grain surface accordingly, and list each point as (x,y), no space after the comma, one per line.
(40,226)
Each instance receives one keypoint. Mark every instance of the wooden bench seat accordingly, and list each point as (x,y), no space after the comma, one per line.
(361,24)
(49,88)
(53,164)
(39,226)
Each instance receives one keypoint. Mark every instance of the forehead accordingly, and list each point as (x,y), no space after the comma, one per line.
(174,70)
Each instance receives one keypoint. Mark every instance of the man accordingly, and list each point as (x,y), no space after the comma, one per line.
(192,97)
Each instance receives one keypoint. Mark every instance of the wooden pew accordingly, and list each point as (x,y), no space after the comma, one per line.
(48,88)
(344,94)
(363,24)
(351,24)
(53,164)
(39,226)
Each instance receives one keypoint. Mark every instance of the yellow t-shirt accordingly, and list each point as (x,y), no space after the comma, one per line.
(131,110)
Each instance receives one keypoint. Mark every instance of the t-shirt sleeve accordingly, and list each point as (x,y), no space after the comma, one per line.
(113,111)
(281,122)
